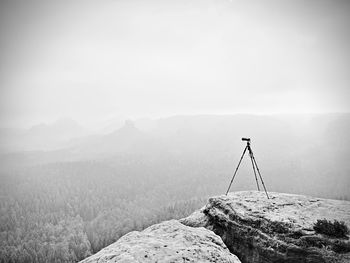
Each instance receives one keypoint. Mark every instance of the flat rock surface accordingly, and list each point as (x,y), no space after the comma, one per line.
(300,210)
(279,229)
(169,241)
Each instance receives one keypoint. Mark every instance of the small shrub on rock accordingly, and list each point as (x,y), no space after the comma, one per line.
(341,247)
(332,229)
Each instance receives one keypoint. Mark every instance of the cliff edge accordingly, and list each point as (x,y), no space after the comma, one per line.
(246,224)
(279,229)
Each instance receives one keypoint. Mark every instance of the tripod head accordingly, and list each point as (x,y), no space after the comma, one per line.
(246,140)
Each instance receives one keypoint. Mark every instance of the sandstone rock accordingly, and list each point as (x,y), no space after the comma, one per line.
(279,229)
(169,241)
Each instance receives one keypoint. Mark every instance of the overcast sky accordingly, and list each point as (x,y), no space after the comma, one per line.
(91,60)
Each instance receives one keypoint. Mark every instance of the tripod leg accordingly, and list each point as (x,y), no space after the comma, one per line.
(234,175)
(256,179)
(262,181)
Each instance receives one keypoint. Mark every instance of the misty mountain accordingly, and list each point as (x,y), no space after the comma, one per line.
(125,140)
(41,136)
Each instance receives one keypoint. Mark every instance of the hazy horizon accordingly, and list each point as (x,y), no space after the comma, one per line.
(96,125)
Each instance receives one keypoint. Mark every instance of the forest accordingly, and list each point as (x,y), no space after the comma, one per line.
(65,212)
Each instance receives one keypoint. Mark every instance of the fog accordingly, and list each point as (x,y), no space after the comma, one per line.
(93,60)
(115,115)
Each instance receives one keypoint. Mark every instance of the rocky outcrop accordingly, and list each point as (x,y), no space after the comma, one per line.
(246,224)
(279,229)
(169,241)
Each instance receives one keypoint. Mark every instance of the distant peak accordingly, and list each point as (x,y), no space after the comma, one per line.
(128,129)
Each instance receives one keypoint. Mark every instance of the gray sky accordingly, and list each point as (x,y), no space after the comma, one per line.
(91,60)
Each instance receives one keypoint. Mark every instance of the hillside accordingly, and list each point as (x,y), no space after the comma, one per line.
(41,136)
(254,228)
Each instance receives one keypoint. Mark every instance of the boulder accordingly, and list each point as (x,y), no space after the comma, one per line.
(169,241)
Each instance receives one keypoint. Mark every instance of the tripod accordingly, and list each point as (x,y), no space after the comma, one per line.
(254,164)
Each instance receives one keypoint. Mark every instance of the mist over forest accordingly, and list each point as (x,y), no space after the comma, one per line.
(68,198)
